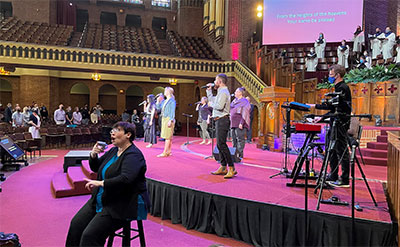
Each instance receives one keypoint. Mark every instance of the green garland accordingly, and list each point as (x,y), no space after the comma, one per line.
(375,74)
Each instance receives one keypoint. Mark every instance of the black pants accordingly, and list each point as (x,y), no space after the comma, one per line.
(340,150)
(222,127)
(89,228)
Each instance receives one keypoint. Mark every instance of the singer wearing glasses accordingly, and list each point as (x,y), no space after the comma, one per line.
(119,193)
(167,107)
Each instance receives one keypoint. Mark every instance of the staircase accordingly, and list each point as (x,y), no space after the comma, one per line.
(165,47)
(376,152)
(72,183)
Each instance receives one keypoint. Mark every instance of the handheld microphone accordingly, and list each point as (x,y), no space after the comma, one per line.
(158,95)
(206,86)
(232,95)
(198,102)
(142,103)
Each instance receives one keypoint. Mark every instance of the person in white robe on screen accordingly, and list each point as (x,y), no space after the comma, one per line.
(388,44)
(376,43)
(311,61)
(358,41)
(319,45)
(343,54)
(397,58)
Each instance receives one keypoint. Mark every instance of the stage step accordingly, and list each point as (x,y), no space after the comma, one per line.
(382,138)
(60,186)
(71,183)
(377,153)
(377,145)
(373,161)
(87,171)
(76,177)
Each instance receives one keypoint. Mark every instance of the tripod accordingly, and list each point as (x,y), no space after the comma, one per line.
(284,170)
(354,144)
(187,127)
(212,122)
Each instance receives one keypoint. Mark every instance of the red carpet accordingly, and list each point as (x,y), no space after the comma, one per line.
(29,209)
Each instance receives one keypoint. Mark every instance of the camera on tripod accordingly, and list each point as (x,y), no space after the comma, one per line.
(333,100)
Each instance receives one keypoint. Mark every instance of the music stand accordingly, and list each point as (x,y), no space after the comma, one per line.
(289,107)
(187,127)
(11,153)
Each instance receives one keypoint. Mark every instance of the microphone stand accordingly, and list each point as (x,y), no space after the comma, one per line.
(187,127)
(212,140)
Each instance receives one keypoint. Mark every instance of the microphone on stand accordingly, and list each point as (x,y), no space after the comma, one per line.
(206,86)
(142,103)
(187,115)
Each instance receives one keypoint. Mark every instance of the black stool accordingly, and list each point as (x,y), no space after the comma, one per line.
(125,234)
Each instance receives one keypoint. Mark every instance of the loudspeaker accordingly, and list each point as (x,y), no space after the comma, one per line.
(232,150)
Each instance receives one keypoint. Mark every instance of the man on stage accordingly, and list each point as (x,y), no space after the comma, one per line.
(220,114)
(336,74)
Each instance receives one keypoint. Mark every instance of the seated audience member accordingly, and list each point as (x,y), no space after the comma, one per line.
(362,63)
(119,193)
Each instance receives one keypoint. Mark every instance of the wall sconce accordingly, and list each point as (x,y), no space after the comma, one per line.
(173,81)
(121,91)
(3,71)
(96,77)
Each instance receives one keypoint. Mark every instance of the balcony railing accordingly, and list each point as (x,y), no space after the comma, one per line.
(54,57)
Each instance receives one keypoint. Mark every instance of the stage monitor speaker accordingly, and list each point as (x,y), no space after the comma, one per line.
(232,150)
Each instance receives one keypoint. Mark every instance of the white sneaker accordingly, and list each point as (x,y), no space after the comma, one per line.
(149,146)
(204,141)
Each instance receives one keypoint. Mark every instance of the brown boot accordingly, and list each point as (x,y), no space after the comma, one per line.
(231,172)
(221,171)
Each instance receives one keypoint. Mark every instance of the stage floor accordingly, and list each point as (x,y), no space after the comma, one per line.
(188,168)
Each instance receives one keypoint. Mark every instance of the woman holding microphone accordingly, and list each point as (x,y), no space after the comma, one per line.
(204,119)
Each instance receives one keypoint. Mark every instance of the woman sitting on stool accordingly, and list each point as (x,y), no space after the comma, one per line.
(119,188)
